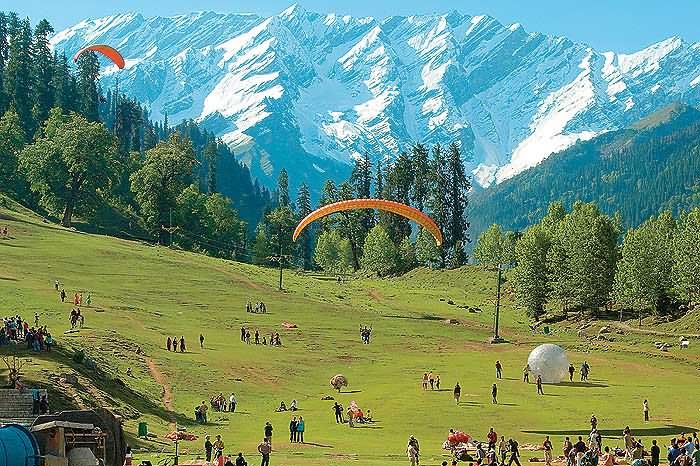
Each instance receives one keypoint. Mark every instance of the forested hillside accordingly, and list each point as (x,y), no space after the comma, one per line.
(638,172)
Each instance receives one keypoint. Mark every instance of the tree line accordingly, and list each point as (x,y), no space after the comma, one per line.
(432,180)
(69,149)
(575,259)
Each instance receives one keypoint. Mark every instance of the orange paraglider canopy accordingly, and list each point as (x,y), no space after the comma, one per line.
(380,204)
(105,50)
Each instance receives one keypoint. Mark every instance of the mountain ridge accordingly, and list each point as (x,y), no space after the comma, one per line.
(340,86)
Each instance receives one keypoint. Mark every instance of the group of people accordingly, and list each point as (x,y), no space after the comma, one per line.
(430,380)
(4,232)
(259,308)
(275,339)
(283,407)
(76,318)
(215,450)
(172,344)
(296,430)
(220,404)
(15,329)
(77,297)
(365,334)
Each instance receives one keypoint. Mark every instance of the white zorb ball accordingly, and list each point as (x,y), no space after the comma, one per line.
(550,362)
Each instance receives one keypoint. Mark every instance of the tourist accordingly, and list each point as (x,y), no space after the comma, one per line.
(203,412)
(265,448)
(413,442)
(201,341)
(63,295)
(293,429)
(282,407)
(526,373)
(580,446)
(547,447)
(232,403)
(499,370)
(437,382)
(503,450)
(645,408)
(594,422)
(338,413)
(257,337)
(629,442)
(431,379)
(673,452)
(43,405)
(88,300)
(301,426)
(492,437)
(182,344)
(608,459)
(412,454)
(208,447)
(514,453)
(655,453)
(243,334)
(480,454)
(218,447)
(539,385)
(696,453)
(169,343)
(683,459)
(350,415)
(175,344)
(494,392)
(55,285)
(457,392)
(424,381)
(128,456)
(268,433)
(227,461)
(572,370)
(567,447)
(240,461)
(293,405)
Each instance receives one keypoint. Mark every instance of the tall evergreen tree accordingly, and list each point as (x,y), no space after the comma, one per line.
(421,176)
(64,85)
(437,200)
(283,189)
(210,156)
(379,180)
(306,236)
(397,187)
(12,140)
(4,53)
(88,73)
(43,71)
(18,76)
(457,198)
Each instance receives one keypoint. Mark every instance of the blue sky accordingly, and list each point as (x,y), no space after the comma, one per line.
(620,25)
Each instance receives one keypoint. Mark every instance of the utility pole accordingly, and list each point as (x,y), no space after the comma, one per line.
(496,337)
(280,257)
(171,227)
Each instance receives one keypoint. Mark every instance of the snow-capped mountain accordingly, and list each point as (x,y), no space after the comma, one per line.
(309,91)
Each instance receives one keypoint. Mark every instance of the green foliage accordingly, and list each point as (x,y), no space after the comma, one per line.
(407,255)
(12,141)
(305,238)
(68,163)
(333,253)
(495,248)
(457,203)
(283,189)
(427,251)
(262,248)
(379,255)
(530,276)
(686,256)
(88,72)
(281,222)
(165,173)
(643,278)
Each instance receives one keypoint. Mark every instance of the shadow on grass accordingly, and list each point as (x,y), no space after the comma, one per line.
(9,279)
(582,384)
(352,391)
(421,317)
(10,245)
(318,445)
(667,430)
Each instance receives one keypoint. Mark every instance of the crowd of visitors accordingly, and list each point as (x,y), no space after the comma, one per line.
(259,308)
(15,329)
(172,344)
(430,381)
(248,338)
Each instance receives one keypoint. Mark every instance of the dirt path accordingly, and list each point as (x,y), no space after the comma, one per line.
(160,378)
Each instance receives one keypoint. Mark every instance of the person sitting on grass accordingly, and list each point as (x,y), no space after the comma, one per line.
(240,461)
(293,405)
(283,407)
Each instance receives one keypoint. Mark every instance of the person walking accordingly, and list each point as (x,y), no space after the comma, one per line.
(526,373)
(232,403)
(492,437)
(169,343)
(645,407)
(572,370)
(293,430)
(431,379)
(567,446)
(268,432)
(503,450)
(547,447)
(539,385)
(203,411)
(208,447)
(514,453)
(424,381)
(494,392)
(182,344)
(655,453)
(457,393)
(301,426)
(265,448)
(201,341)
(415,447)
(499,370)
(218,448)
(338,413)
(437,382)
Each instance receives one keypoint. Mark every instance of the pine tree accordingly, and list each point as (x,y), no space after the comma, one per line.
(306,237)
(261,246)
(4,53)
(329,195)
(379,180)
(12,140)
(457,195)
(210,156)
(399,181)
(283,188)
(64,85)
(686,255)
(437,200)
(421,175)
(18,76)
(43,71)
(88,72)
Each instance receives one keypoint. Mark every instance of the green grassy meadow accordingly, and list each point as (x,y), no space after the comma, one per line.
(141,294)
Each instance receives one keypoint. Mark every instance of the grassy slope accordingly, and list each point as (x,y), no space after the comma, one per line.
(141,294)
